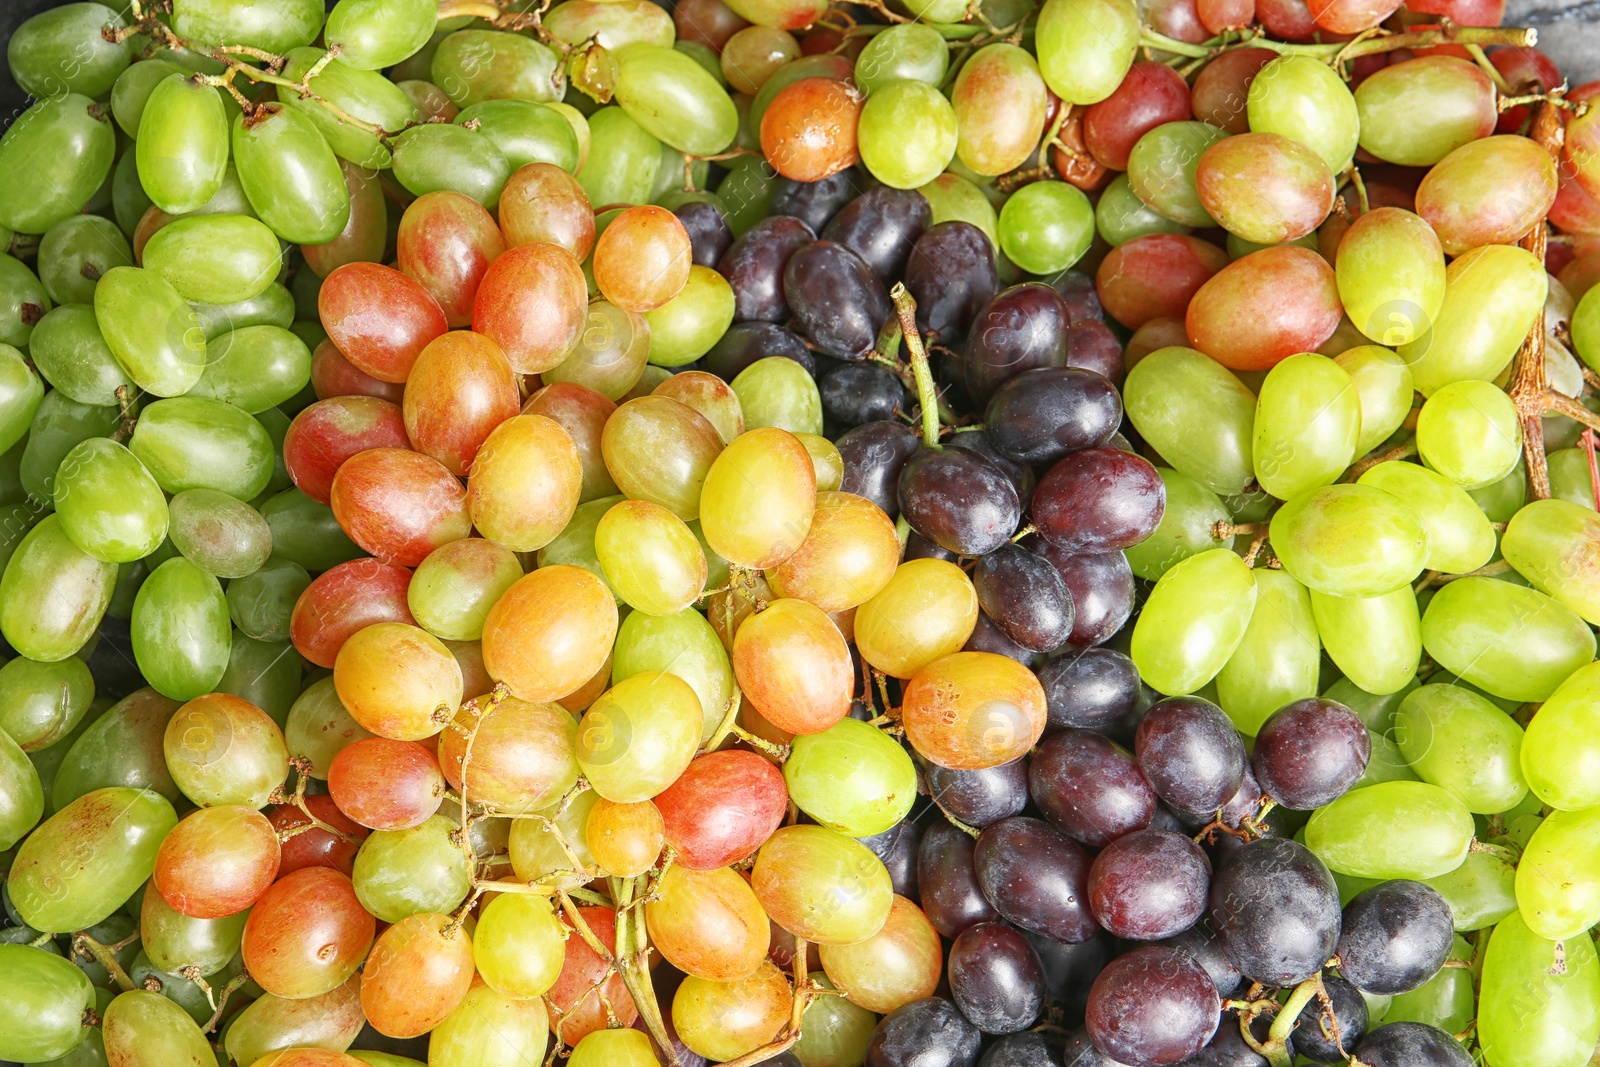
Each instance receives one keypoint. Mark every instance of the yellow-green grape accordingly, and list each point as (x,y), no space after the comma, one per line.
(1508,640)
(21,792)
(536,852)
(1186,527)
(623,160)
(373,34)
(1307,425)
(1391,275)
(1193,622)
(907,134)
(1502,499)
(685,327)
(926,612)
(1350,540)
(1492,295)
(686,644)
(675,99)
(1460,741)
(1386,764)
(1375,709)
(399,873)
(52,160)
(852,778)
(1195,414)
(821,885)
(182,146)
(1086,47)
(638,736)
(1303,98)
(1460,538)
(291,176)
(1538,1002)
(151,330)
(728,1020)
(777,391)
(1561,751)
(1480,892)
(453,589)
(909,50)
(1569,467)
(476,65)
(53,594)
(48,1000)
(826,461)
(142,1029)
(488,1027)
(614,1048)
(1376,641)
(1359,833)
(758,498)
(108,504)
(1553,544)
(650,558)
(1558,877)
(574,545)
(1279,658)
(955,199)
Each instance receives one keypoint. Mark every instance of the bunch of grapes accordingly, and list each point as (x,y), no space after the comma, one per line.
(904,533)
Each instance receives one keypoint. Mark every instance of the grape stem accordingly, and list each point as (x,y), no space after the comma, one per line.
(1499,852)
(633,952)
(84,945)
(1337,52)
(1276,1047)
(730,715)
(1397,452)
(927,396)
(771,748)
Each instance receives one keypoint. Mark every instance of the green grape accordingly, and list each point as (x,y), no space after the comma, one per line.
(777,391)
(674,99)
(90,856)
(407,872)
(266,673)
(638,736)
(525,132)
(182,146)
(686,644)
(123,747)
(1501,500)
(131,93)
(218,533)
(385,1059)
(623,160)
(47,1000)
(685,327)
(1191,513)
(52,160)
(453,589)
(58,425)
(306,532)
(1357,833)
(1376,710)
(214,259)
(1492,295)
(1569,467)
(1376,641)
(1046,227)
(1549,543)
(270,1023)
(291,176)
(911,51)
(21,792)
(1161,169)
(1383,386)
(490,1028)
(614,26)
(144,1029)
(1307,424)
(1417,112)
(953,197)
(439,156)
(1538,1002)
(1392,276)
(1460,538)
(1460,741)
(746,190)
(536,852)
(24,301)
(1350,540)
(107,502)
(1561,752)
(1586,328)
(1480,892)
(21,393)
(151,331)
(363,94)
(1120,216)
(63,51)
(519,945)
(1193,622)
(319,726)
(1558,890)
(1174,392)
(907,134)
(53,594)
(476,65)
(373,34)
(181,630)
(852,778)
(255,368)
(275,26)
(172,941)
(1302,98)
(1279,657)
(1510,641)
(76,252)
(40,703)
(195,442)
(574,545)
(650,558)
(1086,47)
(273,306)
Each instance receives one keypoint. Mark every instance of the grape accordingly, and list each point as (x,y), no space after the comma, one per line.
(1148,885)
(851,778)
(1119,801)
(650,558)
(1263,187)
(639,736)
(881,226)
(1352,833)
(835,299)
(931,1031)
(721,809)
(1302,99)
(1531,1011)
(1165,188)
(1309,752)
(1416,112)
(1349,540)
(686,327)
(519,512)
(1461,741)
(793,665)
(1395,937)
(419,972)
(951,274)
(1217,314)
(54,156)
(1376,641)
(143,1027)
(1521,175)
(1466,630)
(808,129)
(1190,754)
(1194,621)
(1491,297)
(1154,1005)
(541,276)
(216,862)
(754,266)
(1460,538)
(1021,328)
(708,924)
(70,354)
(726,1020)
(1000,106)
(821,885)
(1026,597)
(996,979)
(972,710)
(1544,541)
(910,51)
(582,412)
(45,702)
(1277,660)
(908,134)
(1086,47)
(1404,1042)
(1172,392)
(313,847)
(1275,909)
(1552,892)
(1150,94)
(1154,275)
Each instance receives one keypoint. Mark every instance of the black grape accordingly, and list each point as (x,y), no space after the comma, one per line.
(919,547)
(1313,1037)
(996,979)
(1025,597)
(874,455)
(981,798)
(754,266)
(1036,877)
(1041,415)
(836,299)
(986,636)
(925,1033)
(709,235)
(1089,788)
(1021,475)
(951,896)
(1148,885)
(1227,1048)
(1098,500)
(881,226)
(1022,328)
(1199,942)
(1155,1005)
(1411,1045)
(1020,1050)
(1078,292)
(1092,689)
(1102,588)
(814,203)
(897,848)
(1092,346)
(958,500)
(856,393)
(1275,909)
(951,274)
(1395,937)
(746,342)
(1069,969)
(1310,752)
(1190,753)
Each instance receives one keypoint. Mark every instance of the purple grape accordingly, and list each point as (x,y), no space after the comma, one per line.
(981,798)
(1025,597)
(1275,909)
(814,203)
(1313,1037)
(1199,942)
(1098,500)
(746,342)
(1022,328)
(986,636)
(1091,689)
(1040,416)
(881,226)
(958,500)
(996,979)
(1310,752)
(951,896)
(754,266)
(874,455)
(836,299)
(857,393)
(1089,788)
(709,235)
(925,1033)
(951,275)
(1153,1007)
(1102,588)
(1036,877)
(1190,753)
(1395,937)
(1411,1045)
(1148,885)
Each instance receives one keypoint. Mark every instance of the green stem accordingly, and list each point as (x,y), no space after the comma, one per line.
(104,957)
(906,308)
(633,960)
(1277,1047)
(1162,43)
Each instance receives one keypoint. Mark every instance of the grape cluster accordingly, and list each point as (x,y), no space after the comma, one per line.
(889,533)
